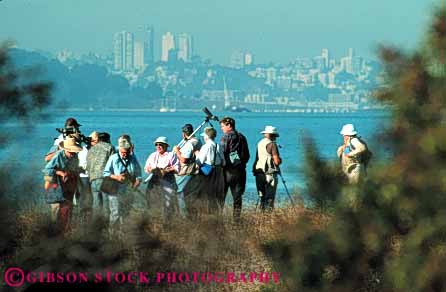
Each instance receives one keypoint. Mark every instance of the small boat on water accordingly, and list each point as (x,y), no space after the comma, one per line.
(237,109)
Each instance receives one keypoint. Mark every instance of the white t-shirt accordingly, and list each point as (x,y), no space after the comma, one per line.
(82,156)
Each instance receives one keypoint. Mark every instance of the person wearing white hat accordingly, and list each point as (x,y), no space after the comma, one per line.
(162,165)
(351,152)
(61,176)
(266,167)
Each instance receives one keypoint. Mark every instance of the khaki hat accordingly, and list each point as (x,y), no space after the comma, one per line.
(124,143)
(94,136)
(70,145)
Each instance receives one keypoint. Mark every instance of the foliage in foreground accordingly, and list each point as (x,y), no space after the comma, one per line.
(389,232)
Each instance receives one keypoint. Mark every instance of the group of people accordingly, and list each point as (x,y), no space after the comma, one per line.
(193,178)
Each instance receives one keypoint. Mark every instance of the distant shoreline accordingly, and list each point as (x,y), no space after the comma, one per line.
(374,110)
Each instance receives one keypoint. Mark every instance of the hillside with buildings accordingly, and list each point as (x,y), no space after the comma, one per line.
(131,77)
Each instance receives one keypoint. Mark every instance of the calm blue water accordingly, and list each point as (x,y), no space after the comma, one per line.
(144,127)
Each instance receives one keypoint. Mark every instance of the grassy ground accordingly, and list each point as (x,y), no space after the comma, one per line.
(209,244)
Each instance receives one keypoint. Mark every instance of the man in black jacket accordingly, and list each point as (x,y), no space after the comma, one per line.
(236,153)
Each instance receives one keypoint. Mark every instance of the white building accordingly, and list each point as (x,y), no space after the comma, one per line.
(249,59)
(167,44)
(139,56)
(326,57)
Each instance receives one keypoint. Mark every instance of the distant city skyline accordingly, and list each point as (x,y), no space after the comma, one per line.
(278,32)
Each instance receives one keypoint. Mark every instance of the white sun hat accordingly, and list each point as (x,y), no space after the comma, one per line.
(162,140)
(270,130)
(348,130)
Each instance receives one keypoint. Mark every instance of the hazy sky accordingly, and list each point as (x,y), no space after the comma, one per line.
(273,30)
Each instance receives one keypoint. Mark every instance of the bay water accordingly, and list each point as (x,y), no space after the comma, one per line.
(28,146)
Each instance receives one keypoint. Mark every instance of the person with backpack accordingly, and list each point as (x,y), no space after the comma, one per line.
(210,161)
(236,153)
(354,154)
(266,168)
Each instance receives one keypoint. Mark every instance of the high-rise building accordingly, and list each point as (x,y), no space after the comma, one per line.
(139,56)
(167,44)
(123,51)
(149,41)
(184,46)
(326,57)
(249,59)
(357,64)
(346,64)
(351,52)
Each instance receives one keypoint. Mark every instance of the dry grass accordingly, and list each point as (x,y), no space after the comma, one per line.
(211,244)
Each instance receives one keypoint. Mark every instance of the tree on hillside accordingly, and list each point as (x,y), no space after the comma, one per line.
(392,236)
(21,96)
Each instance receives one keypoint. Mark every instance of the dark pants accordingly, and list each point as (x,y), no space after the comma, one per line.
(192,196)
(85,198)
(266,189)
(235,179)
(100,207)
(213,187)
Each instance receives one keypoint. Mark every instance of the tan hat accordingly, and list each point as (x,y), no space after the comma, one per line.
(94,136)
(124,143)
(70,145)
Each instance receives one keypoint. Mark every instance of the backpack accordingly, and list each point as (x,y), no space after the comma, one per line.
(365,156)
(238,151)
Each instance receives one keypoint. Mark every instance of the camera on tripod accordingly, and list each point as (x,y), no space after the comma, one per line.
(76,133)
